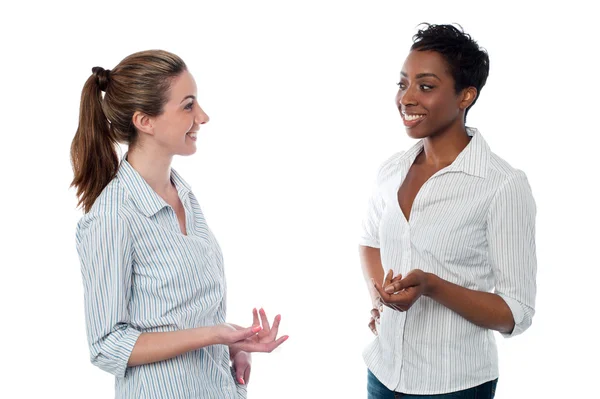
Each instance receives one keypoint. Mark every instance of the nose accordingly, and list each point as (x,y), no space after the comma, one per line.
(407,96)
(201,117)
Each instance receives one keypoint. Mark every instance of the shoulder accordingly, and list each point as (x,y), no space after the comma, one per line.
(503,172)
(511,184)
(106,213)
(389,168)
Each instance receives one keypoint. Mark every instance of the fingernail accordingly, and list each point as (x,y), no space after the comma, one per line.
(389,289)
(241,380)
(256,329)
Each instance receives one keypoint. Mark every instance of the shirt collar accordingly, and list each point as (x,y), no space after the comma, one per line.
(144,197)
(473,159)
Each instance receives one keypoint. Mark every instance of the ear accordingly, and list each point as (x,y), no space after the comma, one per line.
(467,97)
(143,123)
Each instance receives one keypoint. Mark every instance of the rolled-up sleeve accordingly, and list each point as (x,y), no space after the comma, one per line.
(105,250)
(512,255)
(369,235)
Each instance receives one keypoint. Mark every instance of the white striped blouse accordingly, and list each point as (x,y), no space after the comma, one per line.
(140,274)
(473,224)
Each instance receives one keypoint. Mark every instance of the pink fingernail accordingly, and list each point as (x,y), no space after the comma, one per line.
(241,380)
(256,329)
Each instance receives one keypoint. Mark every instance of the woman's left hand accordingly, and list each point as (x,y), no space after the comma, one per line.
(242,362)
(401,293)
(265,341)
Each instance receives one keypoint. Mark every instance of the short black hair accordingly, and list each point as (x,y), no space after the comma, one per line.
(469,64)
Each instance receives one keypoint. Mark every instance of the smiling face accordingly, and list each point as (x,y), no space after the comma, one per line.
(427,100)
(174,130)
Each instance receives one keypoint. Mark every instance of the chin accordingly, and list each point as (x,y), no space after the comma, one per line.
(417,133)
(187,152)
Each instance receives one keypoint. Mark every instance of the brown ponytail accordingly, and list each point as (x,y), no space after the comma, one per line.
(140,82)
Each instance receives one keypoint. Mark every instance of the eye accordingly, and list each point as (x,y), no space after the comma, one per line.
(426,87)
(189,106)
(401,85)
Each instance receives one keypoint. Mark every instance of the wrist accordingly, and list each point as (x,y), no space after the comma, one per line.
(431,284)
(233,352)
(209,335)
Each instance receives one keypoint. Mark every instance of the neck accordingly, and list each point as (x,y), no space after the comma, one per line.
(153,166)
(441,150)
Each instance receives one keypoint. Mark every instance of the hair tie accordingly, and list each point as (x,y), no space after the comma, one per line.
(102,77)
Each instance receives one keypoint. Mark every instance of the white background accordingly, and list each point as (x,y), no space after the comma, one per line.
(301,100)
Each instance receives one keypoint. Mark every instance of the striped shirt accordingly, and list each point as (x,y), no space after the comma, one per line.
(140,274)
(473,224)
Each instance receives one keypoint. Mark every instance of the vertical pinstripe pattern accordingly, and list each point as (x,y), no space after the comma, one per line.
(140,274)
(473,224)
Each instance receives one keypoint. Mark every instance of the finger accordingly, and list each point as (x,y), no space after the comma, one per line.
(375,313)
(265,321)
(388,277)
(241,335)
(247,374)
(383,296)
(410,280)
(372,326)
(378,304)
(275,327)
(398,277)
(255,320)
(239,375)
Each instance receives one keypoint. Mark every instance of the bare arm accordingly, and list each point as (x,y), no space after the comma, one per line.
(157,346)
(370,260)
(484,309)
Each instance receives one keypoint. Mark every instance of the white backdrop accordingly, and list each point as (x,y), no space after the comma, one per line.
(301,100)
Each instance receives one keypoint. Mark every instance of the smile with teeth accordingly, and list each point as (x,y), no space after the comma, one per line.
(193,134)
(412,117)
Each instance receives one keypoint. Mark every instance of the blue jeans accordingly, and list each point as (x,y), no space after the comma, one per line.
(376,390)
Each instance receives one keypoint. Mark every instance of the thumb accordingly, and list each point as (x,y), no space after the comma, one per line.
(241,335)
(408,281)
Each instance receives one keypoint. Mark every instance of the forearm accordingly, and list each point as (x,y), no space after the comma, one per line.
(156,346)
(370,260)
(484,309)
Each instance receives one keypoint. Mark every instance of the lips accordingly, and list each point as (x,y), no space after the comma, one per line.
(192,135)
(412,120)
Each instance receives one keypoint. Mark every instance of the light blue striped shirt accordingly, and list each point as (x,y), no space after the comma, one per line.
(473,224)
(140,274)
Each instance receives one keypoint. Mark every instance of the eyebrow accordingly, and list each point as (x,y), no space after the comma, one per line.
(421,75)
(186,97)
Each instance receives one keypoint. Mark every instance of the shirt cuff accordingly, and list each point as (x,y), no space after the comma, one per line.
(118,348)
(368,242)
(518,315)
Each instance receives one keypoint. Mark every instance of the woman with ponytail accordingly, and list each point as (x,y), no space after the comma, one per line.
(153,276)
